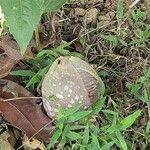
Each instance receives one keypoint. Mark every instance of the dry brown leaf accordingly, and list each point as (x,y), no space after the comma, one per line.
(6,64)
(24,114)
(10,46)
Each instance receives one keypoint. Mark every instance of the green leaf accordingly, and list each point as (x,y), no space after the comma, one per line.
(86,135)
(23,73)
(137,14)
(111,112)
(112,38)
(73,135)
(121,140)
(95,141)
(22,17)
(53,5)
(77,127)
(78,115)
(82,41)
(82,148)
(95,129)
(54,138)
(148,127)
(62,142)
(63,114)
(97,107)
(129,120)
(120,10)
(71,111)
(107,146)
(37,77)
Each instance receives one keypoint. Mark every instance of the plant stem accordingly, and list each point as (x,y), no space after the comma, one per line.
(37,39)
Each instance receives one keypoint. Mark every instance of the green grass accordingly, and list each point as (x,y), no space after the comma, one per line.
(77,129)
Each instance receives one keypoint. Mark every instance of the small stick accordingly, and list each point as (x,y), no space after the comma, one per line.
(20,98)
(134,3)
(37,39)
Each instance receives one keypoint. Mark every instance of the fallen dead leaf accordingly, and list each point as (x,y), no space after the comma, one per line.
(10,46)
(6,64)
(24,114)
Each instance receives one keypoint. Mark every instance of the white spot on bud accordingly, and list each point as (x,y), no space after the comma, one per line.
(80,102)
(68,95)
(66,88)
(77,97)
(85,107)
(71,82)
(72,101)
(70,91)
(54,84)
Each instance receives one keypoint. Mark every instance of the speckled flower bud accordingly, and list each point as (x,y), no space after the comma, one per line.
(69,82)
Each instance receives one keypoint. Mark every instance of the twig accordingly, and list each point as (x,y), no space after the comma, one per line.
(134,3)
(20,98)
(37,39)
(148,108)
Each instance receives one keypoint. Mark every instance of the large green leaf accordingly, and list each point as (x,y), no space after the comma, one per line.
(53,5)
(22,18)
(129,120)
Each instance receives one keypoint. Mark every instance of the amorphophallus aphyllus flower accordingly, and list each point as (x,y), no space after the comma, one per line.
(70,82)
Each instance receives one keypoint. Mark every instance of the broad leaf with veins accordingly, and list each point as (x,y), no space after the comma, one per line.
(69,82)
(24,113)
(22,18)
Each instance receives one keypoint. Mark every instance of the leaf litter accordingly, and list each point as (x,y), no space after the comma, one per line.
(24,114)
